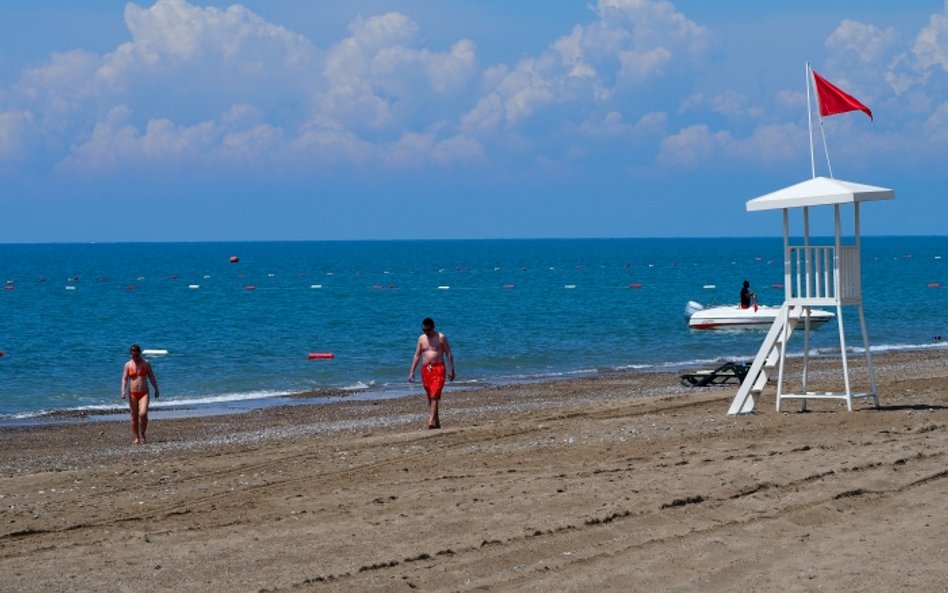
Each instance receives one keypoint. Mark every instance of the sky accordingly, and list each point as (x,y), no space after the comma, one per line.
(207,120)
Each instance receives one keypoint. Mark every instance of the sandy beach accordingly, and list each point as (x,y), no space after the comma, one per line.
(627,482)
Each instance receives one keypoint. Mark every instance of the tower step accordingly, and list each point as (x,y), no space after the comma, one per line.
(767,357)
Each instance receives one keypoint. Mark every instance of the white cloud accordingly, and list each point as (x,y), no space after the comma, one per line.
(202,87)
(212,85)
(458,150)
(15,131)
(325,143)
(486,115)
(654,23)
(409,151)
(59,91)
(729,103)
(867,43)
(931,44)
(172,38)
(116,144)
(936,126)
(791,100)
(698,146)
(771,144)
(640,66)
(691,146)
(377,78)
(642,36)
(613,124)
(928,54)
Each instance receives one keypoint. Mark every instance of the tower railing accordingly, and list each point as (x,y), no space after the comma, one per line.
(822,275)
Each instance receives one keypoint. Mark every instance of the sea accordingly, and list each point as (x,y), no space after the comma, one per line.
(236,323)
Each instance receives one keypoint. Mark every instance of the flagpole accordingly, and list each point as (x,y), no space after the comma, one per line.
(826,148)
(809,122)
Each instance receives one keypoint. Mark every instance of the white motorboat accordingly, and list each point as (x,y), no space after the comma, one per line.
(734,317)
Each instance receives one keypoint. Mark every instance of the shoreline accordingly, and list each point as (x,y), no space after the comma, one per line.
(621,483)
(165,409)
(321,411)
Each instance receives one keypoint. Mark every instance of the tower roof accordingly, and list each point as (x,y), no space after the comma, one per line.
(819,191)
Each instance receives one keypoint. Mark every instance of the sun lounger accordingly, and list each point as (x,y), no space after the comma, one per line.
(727,372)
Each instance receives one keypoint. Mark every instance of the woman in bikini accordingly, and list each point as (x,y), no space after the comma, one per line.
(136,374)
(432,350)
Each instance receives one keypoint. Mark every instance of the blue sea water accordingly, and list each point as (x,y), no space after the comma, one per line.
(513,310)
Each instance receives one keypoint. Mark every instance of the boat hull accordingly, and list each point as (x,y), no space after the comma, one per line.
(734,317)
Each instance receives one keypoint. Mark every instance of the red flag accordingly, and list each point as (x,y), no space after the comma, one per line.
(833,100)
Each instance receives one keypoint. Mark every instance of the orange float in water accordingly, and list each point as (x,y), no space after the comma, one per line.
(320,355)
(934,285)
(234,259)
(635,285)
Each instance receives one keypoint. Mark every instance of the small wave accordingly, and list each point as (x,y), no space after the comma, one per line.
(939,345)
(155,404)
(217,399)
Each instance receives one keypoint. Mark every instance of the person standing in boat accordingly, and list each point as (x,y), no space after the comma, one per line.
(431,350)
(136,374)
(748,297)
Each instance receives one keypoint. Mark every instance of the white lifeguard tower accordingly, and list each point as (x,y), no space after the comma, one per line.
(814,276)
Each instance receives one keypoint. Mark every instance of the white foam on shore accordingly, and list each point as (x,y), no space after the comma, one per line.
(155,404)
(361,390)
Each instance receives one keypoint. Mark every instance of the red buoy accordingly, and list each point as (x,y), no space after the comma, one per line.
(635,285)
(320,355)
(234,259)
(934,285)
(250,287)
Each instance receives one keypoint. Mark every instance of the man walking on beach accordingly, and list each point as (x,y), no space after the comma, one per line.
(432,350)
(135,375)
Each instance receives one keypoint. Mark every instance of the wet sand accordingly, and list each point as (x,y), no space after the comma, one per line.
(624,483)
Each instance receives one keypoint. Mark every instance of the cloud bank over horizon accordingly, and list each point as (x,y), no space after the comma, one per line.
(207,90)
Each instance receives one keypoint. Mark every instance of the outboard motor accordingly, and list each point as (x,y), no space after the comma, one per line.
(692,307)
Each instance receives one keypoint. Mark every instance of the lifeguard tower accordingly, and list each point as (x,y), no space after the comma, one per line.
(814,276)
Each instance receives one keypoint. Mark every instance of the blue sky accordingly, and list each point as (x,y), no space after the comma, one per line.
(189,120)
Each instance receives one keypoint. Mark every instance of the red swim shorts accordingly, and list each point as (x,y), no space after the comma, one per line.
(432,377)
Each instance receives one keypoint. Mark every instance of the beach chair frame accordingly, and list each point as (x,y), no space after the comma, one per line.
(727,372)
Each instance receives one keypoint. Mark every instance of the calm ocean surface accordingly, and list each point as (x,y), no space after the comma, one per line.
(238,334)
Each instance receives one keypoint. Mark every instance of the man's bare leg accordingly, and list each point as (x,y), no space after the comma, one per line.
(433,420)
